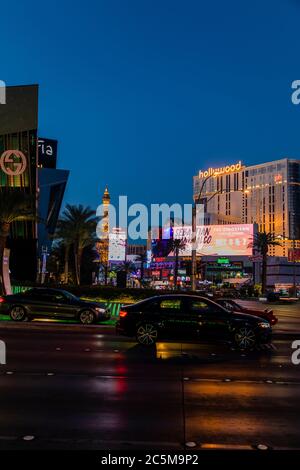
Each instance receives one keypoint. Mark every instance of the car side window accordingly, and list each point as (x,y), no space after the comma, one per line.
(199,306)
(58,297)
(30,294)
(150,307)
(170,304)
(37,295)
(227,305)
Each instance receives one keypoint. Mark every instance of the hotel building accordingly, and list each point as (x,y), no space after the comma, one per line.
(267,194)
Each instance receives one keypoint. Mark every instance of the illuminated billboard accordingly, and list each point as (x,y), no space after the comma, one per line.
(117,245)
(217,240)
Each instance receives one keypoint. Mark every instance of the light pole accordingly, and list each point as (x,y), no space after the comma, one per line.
(294,268)
(194,223)
(194,228)
(292,232)
(293,259)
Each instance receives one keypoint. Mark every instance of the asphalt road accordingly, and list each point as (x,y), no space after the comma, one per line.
(75,387)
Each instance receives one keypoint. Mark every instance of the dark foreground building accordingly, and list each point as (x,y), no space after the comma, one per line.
(29,165)
(18,132)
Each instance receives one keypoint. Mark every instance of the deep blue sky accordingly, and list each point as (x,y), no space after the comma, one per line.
(142,94)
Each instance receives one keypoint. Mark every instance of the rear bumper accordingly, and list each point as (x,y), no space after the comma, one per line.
(103,316)
(4,309)
(120,330)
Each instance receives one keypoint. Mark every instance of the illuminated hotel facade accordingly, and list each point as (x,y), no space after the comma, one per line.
(267,194)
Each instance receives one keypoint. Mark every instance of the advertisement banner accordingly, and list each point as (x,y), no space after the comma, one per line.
(117,246)
(217,240)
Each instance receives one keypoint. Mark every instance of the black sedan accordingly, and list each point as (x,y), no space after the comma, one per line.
(51,303)
(191,317)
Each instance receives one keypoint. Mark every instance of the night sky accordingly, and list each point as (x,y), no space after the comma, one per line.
(142,94)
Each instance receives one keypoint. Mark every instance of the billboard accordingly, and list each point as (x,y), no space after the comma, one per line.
(217,240)
(117,245)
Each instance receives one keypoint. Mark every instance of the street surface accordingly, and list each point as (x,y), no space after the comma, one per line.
(83,387)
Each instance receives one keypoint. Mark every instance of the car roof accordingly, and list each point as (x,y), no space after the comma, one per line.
(44,289)
(178,296)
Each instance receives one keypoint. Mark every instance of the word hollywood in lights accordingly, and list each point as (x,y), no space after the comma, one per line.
(220,171)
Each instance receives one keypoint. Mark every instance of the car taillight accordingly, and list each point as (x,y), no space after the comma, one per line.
(2,299)
(123,313)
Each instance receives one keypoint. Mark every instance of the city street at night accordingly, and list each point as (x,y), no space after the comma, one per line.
(67,386)
(149,233)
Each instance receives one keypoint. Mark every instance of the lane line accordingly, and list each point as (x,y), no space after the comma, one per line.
(229,380)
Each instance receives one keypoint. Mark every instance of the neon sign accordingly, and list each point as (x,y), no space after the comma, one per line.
(220,171)
(10,166)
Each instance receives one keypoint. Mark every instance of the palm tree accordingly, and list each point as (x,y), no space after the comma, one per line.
(127,267)
(177,245)
(55,262)
(64,233)
(261,243)
(15,206)
(142,258)
(78,226)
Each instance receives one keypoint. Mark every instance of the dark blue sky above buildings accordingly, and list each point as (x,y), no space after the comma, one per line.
(142,94)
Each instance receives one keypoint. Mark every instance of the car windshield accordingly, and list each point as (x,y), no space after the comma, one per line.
(207,305)
(227,304)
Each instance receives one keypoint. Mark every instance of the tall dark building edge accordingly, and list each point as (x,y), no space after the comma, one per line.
(18,131)
(52,185)
(30,168)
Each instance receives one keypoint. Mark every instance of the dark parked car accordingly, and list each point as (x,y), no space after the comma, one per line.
(191,317)
(234,306)
(51,303)
(273,296)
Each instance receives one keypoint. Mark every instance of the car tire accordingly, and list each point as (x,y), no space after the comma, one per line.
(147,334)
(86,317)
(18,313)
(245,337)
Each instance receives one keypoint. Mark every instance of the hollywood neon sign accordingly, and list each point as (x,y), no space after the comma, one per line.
(221,171)
(13,162)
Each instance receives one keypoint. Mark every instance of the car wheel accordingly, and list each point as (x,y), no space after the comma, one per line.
(245,338)
(86,317)
(18,313)
(147,334)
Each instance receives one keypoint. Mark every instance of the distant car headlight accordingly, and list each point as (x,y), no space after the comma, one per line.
(264,325)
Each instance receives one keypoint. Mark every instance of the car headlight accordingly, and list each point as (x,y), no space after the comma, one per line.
(264,325)
(100,310)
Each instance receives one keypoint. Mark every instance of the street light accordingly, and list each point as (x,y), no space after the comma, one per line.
(194,228)
(293,248)
(281,237)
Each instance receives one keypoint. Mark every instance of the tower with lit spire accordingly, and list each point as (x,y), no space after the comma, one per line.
(102,245)
(105,220)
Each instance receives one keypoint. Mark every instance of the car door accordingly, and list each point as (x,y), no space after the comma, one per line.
(64,307)
(172,317)
(210,319)
(39,303)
